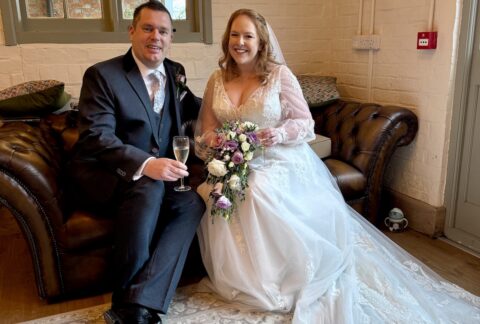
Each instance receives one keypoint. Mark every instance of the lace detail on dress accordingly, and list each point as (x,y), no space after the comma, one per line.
(280,301)
(238,235)
(440,286)
(363,241)
(302,174)
(309,269)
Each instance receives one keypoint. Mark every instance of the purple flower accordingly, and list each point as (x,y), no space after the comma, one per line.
(237,157)
(223,203)
(252,137)
(231,145)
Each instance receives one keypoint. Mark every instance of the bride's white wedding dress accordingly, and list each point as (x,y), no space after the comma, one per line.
(295,245)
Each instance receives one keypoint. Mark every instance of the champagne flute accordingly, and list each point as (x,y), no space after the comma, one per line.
(181,148)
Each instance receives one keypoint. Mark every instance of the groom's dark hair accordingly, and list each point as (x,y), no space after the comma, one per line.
(152,5)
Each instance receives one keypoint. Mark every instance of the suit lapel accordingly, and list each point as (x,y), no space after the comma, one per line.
(135,79)
(171,74)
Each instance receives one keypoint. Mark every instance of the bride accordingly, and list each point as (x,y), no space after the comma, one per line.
(294,244)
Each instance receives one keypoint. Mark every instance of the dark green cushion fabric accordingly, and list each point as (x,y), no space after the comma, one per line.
(318,90)
(33,98)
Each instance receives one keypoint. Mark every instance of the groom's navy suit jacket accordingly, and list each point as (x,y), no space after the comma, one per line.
(119,129)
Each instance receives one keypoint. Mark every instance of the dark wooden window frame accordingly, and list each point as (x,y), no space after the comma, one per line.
(19,29)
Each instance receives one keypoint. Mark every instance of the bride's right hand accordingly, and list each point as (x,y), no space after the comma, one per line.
(269,136)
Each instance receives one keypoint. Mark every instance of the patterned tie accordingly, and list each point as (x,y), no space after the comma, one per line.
(158,90)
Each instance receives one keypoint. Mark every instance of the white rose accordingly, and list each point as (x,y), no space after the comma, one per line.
(248,156)
(234,182)
(242,137)
(245,146)
(231,165)
(217,168)
(231,135)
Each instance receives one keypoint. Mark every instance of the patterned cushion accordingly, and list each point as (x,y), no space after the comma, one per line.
(33,98)
(318,90)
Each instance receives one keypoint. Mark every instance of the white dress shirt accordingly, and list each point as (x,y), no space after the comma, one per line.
(146,71)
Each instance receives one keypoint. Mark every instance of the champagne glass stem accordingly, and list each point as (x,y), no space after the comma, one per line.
(181,183)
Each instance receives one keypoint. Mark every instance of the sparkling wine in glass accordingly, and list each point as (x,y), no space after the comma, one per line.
(181,148)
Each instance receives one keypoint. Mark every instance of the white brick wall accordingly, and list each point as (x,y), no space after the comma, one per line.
(315,36)
(403,75)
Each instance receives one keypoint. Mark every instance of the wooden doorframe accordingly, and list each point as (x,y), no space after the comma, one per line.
(460,96)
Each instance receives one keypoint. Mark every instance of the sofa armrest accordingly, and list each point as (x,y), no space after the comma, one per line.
(29,178)
(31,157)
(365,135)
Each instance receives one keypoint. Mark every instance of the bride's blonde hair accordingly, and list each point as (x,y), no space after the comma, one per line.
(264,56)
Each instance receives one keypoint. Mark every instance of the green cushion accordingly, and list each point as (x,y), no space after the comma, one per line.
(318,90)
(33,98)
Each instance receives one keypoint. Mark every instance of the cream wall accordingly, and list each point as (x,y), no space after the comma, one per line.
(315,36)
(402,75)
(299,28)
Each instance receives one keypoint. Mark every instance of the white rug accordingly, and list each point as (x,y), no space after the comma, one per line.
(188,307)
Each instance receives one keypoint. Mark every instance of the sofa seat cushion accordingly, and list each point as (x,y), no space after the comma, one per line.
(351,181)
(83,230)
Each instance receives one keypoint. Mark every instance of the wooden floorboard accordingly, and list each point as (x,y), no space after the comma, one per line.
(19,299)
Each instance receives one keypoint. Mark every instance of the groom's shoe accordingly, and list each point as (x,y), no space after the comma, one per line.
(131,314)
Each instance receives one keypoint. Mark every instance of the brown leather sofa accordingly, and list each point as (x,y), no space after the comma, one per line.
(364,137)
(70,249)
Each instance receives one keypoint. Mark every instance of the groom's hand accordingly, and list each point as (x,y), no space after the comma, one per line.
(165,169)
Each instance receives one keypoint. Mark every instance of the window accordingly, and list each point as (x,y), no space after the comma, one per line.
(96,21)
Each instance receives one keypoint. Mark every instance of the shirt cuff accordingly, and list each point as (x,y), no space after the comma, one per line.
(137,175)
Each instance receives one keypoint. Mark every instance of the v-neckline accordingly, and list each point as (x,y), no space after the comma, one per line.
(246,100)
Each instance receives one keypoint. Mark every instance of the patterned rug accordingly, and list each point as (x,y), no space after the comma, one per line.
(188,307)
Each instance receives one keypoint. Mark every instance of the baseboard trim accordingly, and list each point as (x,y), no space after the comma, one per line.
(422,217)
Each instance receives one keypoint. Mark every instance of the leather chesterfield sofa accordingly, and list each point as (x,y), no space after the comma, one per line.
(364,137)
(70,249)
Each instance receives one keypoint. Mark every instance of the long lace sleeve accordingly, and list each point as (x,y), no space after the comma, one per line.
(206,122)
(297,125)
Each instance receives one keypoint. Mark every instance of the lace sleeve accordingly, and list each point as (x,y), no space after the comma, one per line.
(297,124)
(206,122)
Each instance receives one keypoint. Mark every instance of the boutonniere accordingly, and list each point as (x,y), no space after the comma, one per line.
(181,83)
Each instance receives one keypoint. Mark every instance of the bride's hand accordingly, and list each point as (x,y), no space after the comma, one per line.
(269,136)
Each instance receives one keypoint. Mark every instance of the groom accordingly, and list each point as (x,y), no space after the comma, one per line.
(123,165)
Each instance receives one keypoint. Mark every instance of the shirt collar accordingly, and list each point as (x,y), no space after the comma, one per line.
(146,71)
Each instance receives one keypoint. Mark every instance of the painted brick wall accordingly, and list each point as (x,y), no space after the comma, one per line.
(405,76)
(316,38)
(297,28)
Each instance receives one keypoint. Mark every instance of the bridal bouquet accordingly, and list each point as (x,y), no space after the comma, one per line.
(235,143)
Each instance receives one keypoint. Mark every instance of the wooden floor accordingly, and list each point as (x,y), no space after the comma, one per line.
(19,300)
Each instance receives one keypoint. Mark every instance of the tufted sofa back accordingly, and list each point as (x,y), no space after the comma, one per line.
(354,130)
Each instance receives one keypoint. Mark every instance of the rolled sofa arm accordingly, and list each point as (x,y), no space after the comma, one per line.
(365,135)
(29,187)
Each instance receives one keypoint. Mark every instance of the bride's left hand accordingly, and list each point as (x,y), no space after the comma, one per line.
(269,136)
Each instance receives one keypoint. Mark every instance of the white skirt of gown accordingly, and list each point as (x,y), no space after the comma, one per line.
(295,245)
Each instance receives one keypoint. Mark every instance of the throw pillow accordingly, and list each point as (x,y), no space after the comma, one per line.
(318,90)
(33,98)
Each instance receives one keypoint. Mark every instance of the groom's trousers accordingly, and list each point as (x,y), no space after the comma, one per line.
(154,228)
